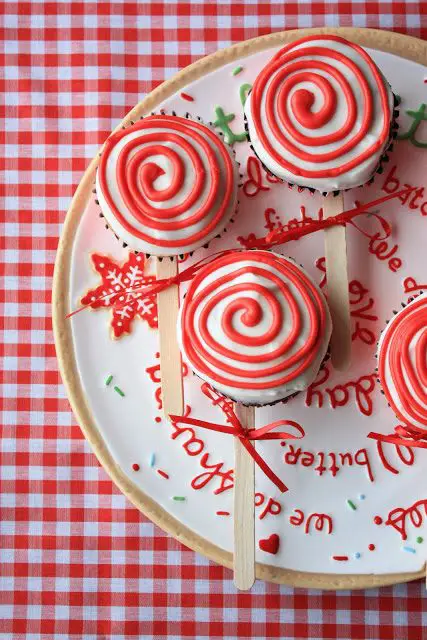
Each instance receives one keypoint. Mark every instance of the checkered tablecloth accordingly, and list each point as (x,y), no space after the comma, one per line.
(76,559)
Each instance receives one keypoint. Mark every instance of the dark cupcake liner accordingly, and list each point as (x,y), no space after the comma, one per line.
(267,404)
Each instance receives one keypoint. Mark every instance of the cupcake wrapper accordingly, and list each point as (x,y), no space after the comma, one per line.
(266,404)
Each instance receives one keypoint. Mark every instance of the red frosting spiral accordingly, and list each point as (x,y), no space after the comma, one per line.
(274,99)
(231,298)
(403,357)
(190,147)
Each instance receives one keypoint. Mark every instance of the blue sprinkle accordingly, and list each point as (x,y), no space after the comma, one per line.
(409,549)
(152,460)
(357,555)
(362,496)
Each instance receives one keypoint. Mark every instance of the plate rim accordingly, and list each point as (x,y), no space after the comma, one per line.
(402,45)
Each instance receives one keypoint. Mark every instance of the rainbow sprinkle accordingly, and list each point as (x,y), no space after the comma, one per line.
(152,460)
(108,380)
(409,549)
(236,71)
(351,505)
(163,474)
(119,391)
(179,498)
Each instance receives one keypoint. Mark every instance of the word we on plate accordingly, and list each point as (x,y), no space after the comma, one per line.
(314,522)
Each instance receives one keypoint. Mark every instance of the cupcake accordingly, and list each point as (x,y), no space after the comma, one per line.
(402,364)
(167,185)
(254,326)
(321,114)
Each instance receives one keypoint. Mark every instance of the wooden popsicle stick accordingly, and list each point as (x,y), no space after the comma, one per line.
(337,283)
(244,505)
(170,356)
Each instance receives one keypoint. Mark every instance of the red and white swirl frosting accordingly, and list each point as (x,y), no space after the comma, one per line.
(319,114)
(167,185)
(255,326)
(402,363)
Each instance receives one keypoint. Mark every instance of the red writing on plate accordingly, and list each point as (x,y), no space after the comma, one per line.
(340,395)
(313,522)
(414,200)
(361,307)
(328,462)
(387,450)
(154,375)
(258,179)
(400,517)
(266,506)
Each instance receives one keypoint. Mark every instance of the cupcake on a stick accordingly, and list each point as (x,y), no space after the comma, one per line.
(166,186)
(257,328)
(320,115)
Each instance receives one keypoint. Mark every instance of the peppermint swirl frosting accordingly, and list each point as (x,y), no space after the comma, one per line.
(319,114)
(167,185)
(255,326)
(402,363)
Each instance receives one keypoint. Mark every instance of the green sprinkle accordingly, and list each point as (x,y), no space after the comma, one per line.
(420,539)
(119,391)
(243,92)
(179,498)
(351,505)
(236,71)
(108,380)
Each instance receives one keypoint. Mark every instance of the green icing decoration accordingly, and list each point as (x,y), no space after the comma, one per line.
(243,92)
(222,121)
(418,117)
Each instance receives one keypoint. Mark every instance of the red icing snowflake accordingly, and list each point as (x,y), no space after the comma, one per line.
(113,292)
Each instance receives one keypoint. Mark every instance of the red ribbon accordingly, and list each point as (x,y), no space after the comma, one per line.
(148,288)
(284,234)
(404,436)
(246,436)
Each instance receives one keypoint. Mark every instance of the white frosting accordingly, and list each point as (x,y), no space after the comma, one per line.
(417,416)
(127,426)
(191,135)
(237,389)
(353,177)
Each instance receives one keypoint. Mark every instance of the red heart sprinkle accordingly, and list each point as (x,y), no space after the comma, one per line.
(271,544)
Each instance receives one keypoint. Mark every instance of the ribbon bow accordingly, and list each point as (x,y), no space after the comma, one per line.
(403,435)
(247,436)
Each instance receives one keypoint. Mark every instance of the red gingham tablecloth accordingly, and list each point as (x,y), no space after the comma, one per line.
(77,560)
